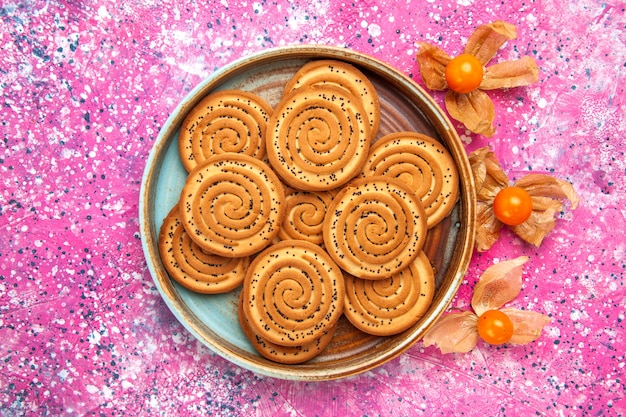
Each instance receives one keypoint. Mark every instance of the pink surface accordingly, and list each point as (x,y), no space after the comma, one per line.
(86,87)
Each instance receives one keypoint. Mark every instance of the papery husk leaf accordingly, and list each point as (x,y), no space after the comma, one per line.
(546,193)
(479,169)
(487,227)
(432,63)
(489,177)
(475,110)
(499,284)
(487,39)
(536,227)
(454,332)
(527,325)
(543,185)
(546,203)
(510,74)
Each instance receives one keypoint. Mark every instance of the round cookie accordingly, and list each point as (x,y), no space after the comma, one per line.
(224,121)
(232,205)
(390,306)
(343,75)
(193,268)
(283,354)
(293,293)
(318,138)
(374,227)
(304,215)
(423,164)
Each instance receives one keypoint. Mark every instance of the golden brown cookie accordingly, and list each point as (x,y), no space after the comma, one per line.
(390,306)
(423,164)
(318,138)
(193,268)
(232,205)
(293,293)
(283,354)
(304,215)
(374,227)
(224,121)
(343,75)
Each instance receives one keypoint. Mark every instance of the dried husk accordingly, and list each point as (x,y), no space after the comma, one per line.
(543,185)
(487,227)
(485,41)
(527,325)
(432,62)
(454,332)
(489,179)
(546,192)
(536,228)
(499,284)
(475,110)
(509,74)
(488,174)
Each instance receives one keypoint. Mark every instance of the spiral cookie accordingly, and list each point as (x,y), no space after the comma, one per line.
(193,268)
(423,164)
(232,205)
(343,75)
(390,306)
(375,227)
(318,138)
(304,215)
(224,121)
(293,293)
(279,353)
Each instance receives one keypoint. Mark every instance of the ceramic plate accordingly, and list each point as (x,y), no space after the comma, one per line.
(213,318)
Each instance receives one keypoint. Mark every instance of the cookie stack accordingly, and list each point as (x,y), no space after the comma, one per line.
(308,211)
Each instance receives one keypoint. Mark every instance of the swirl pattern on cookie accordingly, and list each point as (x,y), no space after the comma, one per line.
(423,164)
(224,121)
(293,293)
(318,138)
(283,354)
(304,215)
(193,268)
(375,227)
(343,75)
(390,306)
(232,205)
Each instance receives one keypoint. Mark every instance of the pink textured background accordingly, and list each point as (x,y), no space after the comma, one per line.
(86,86)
